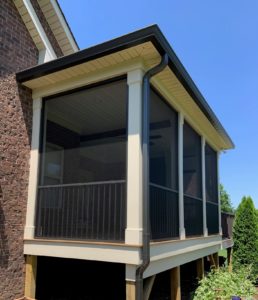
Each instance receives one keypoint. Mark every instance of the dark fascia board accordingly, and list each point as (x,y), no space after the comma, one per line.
(149,34)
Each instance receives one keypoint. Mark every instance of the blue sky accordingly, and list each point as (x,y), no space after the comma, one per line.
(217,42)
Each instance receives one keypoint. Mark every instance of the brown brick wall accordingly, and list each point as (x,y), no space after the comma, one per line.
(47,28)
(17,52)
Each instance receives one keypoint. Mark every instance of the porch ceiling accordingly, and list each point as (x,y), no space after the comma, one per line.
(145,46)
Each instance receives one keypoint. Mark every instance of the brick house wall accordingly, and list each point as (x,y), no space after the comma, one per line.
(17,52)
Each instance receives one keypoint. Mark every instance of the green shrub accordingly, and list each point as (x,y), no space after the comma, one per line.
(223,285)
(225,200)
(245,236)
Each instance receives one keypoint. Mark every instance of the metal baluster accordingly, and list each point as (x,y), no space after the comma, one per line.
(77,212)
(92,217)
(104,212)
(67,211)
(98,211)
(88,212)
(82,212)
(109,211)
(115,213)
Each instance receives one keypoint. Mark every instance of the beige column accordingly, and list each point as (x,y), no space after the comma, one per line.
(130,290)
(181,176)
(133,233)
(175,284)
(205,229)
(30,276)
(34,167)
(219,204)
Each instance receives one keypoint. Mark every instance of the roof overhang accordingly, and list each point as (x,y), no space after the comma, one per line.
(56,20)
(147,44)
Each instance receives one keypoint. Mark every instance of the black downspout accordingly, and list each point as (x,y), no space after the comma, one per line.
(145,164)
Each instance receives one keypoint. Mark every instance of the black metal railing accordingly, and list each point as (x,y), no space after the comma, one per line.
(84,211)
(193,214)
(212,215)
(227,220)
(164,219)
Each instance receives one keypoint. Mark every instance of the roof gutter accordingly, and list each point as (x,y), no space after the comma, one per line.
(145,152)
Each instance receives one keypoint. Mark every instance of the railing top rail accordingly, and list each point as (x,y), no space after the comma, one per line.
(228,213)
(210,202)
(81,184)
(163,187)
(193,197)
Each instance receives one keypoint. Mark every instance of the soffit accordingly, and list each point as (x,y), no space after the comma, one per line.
(29,24)
(165,82)
(62,33)
(145,51)
(53,16)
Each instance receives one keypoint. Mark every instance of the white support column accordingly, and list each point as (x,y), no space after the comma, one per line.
(181,175)
(205,229)
(133,234)
(219,204)
(34,166)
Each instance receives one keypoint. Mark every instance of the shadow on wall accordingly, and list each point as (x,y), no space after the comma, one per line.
(4,250)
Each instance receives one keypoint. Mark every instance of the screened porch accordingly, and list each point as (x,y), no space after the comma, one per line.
(82,190)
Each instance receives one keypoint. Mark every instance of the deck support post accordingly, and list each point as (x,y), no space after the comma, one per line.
(216,260)
(229,258)
(130,290)
(200,268)
(175,283)
(30,276)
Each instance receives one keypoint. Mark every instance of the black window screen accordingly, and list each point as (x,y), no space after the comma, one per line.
(82,192)
(163,157)
(192,163)
(193,204)
(211,174)
(85,136)
(163,143)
